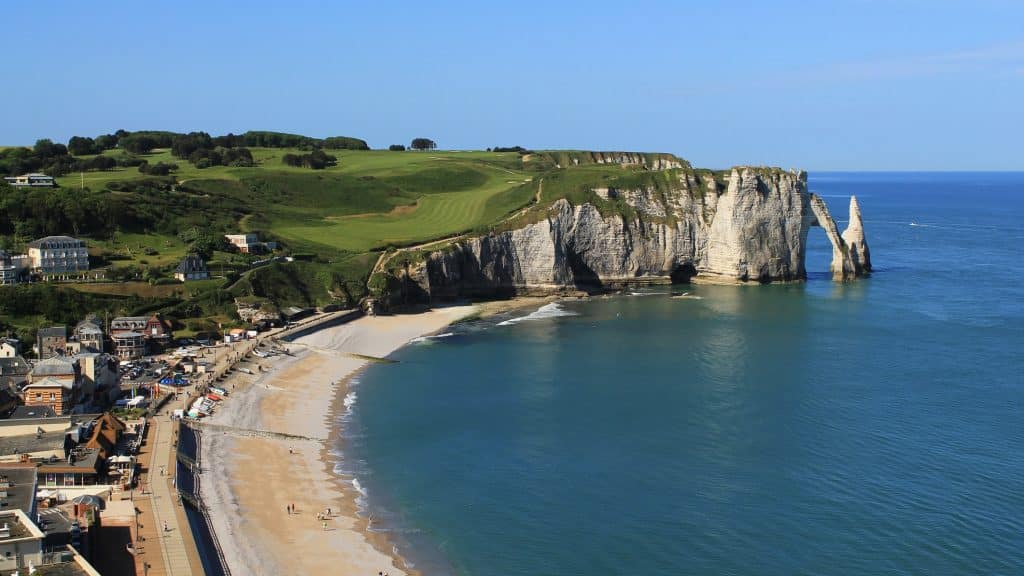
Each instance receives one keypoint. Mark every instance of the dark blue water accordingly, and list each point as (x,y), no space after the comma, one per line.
(875,427)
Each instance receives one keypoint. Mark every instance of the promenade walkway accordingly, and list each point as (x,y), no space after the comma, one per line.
(164,500)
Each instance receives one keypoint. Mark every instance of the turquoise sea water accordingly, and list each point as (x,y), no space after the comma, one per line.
(875,427)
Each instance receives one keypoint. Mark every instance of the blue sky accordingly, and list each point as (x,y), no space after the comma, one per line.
(854,84)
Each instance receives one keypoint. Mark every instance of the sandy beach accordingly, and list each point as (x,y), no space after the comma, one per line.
(250,479)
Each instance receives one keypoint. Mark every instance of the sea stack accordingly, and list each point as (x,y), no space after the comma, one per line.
(853,237)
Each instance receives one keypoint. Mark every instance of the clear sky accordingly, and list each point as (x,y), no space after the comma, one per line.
(846,84)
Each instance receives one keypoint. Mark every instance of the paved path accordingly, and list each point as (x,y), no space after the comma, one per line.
(173,552)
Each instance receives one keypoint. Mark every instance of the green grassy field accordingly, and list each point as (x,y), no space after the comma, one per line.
(370,200)
(336,220)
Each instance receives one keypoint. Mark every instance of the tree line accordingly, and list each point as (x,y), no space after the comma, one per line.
(199,148)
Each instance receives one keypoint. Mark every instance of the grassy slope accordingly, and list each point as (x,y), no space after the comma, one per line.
(371,200)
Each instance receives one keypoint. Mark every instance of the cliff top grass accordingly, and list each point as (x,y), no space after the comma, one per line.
(340,217)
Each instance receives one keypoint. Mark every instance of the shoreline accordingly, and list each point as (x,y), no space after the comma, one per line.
(250,479)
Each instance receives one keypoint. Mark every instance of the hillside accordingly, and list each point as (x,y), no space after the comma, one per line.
(336,221)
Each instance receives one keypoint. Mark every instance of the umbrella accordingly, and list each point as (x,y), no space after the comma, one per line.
(89,500)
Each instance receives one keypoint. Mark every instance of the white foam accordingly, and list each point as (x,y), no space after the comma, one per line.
(552,310)
(361,498)
(431,337)
(359,487)
(349,401)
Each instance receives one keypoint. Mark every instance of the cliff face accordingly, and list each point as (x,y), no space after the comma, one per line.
(752,228)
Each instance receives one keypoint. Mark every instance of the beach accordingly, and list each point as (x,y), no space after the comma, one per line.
(266,450)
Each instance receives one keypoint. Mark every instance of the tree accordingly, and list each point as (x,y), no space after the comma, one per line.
(106,142)
(396,148)
(423,144)
(184,145)
(81,146)
(138,143)
(102,162)
(46,149)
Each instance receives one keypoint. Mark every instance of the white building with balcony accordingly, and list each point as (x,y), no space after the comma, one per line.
(56,255)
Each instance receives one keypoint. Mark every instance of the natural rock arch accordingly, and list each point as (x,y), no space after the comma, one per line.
(850,255)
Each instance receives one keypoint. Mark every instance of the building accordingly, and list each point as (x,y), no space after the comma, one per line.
(58,255)
(55,382)
(56,394)
(12,268)
(21,542)
(154,330)
(89,335)
(99,378)
(34,179)
(14,373)
(10,347)
(250,243)
(18,483)
(192,268)
(129,345)
(51,342)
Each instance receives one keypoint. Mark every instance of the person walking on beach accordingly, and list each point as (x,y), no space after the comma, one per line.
(325,526)
(166,529)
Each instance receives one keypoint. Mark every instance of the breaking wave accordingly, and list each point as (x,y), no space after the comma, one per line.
(552,310)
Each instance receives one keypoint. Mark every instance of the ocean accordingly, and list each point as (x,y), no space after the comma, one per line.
(873,427)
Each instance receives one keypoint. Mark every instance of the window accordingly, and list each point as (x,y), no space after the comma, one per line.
(53,397)
(51,479)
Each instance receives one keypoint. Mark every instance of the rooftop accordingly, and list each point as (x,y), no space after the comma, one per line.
(54,366)
(50,382)
(53,241)
(32,412)
(68,568)
(191,263)
(21,491)
(30,443)
(129,319)
(54,331)
(20,524)
(84,460)
(14,365)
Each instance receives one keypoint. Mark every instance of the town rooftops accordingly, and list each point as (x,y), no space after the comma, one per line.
(54,366)
(50,382)
(51,242)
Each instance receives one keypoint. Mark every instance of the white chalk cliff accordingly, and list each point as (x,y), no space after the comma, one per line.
(750,227)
